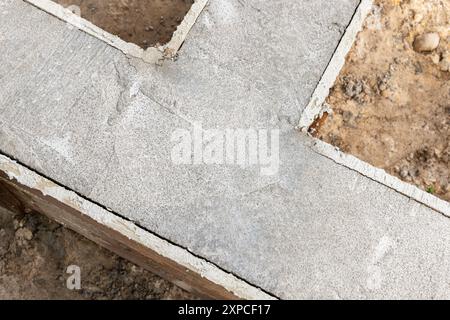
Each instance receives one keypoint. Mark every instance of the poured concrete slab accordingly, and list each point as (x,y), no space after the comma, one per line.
(84,114)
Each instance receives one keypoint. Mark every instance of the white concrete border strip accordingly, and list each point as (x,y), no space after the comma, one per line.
(316,107)
(382,177)
(150,55)
(175,253)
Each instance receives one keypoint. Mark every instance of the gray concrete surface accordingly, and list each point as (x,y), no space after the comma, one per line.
(82,113)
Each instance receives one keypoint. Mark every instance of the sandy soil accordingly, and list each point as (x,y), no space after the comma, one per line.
(391,104)
(143,22)
(36,252)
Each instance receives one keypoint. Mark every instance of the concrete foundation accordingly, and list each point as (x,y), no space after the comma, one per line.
(79,111)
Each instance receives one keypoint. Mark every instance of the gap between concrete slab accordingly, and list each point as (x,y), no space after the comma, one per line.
(317,109)
(75,210)
(150,55)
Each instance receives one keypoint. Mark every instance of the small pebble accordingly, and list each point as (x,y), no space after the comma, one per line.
(347,116)
(426,42)
(435,58)
(404,173)
(417,17)
(24,233)
(444,65)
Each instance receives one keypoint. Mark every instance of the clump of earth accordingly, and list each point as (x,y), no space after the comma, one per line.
(391,102)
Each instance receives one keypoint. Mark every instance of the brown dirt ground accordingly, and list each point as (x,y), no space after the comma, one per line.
(391,105)
(35,253)
(143,22)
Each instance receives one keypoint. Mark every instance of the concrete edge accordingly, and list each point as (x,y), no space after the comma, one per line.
(381,176)
(180,35)
(316,107)
(29,179)
(150,55)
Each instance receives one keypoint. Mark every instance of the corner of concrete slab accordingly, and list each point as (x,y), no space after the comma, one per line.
(317,107)
(170,49)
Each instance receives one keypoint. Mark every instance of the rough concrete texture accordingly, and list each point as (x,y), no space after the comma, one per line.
(80,112)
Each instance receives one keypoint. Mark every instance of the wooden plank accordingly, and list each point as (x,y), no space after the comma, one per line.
(18,197)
